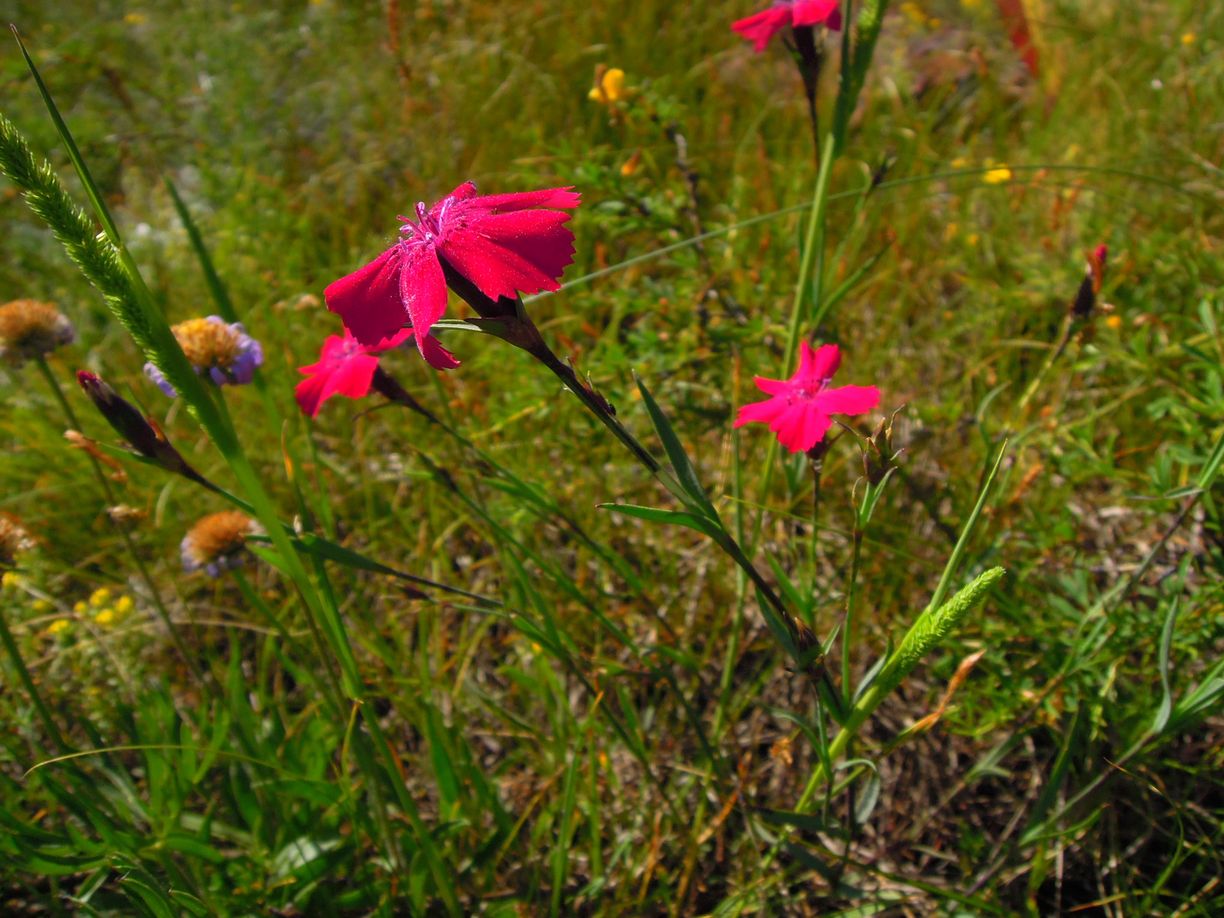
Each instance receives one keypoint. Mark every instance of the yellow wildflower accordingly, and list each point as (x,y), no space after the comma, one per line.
(106,617)
(1188,38)
(80,607)
(1114,322)
(100,597)
(123,605)
(996,175)
(59,626)
(42,606)
(135,18)
(609,86)
(10,580)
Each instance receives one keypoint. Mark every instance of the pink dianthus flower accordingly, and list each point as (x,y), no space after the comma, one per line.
(505,244)
(800,409)
(761,27)
(346,367)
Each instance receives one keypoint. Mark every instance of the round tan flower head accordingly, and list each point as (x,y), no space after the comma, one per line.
(216,542)
(13,539)
(30,329)
(222,351)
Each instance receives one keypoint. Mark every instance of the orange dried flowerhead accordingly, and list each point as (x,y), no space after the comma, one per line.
(30,329)
(208,344)
(215,542)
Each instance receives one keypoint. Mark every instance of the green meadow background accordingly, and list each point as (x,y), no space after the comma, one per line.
(622,735)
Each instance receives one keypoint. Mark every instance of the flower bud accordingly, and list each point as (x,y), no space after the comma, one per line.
(878,454)
(141,433)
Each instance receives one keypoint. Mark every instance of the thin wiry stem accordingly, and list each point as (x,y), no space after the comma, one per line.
(108,493)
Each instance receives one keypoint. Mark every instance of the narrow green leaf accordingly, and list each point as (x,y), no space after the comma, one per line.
(672,517)
(1161,720)
(225,306)
(676,455)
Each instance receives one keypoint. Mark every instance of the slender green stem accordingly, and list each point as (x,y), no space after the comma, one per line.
(108,493)
(848,626)
(811,245)
(816,463)
(263,509)
(802,641)
(1064,339)
(15,659)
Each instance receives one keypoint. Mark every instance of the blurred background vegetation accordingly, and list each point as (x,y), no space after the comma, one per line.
(972,190)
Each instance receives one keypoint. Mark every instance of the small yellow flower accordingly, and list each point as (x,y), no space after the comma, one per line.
(100,597)
(1188,38)
(59,626)
(106,617)
(1114,322)
(996,175)
(10,580)
(135,18)
(959,163)
(609,86)
(42,606)
(80,607)
(123,605)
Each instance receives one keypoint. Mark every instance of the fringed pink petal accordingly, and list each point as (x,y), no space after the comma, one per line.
(554,198)
(505,254)
(393,342)
(760,27)
(815,12)
(422,291)
(774,386)
(435,354)
(801,426)
(765,412)
(369,300)
(848,399)
(817,365)
(309,393)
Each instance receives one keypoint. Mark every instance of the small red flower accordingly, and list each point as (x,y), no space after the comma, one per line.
(761,27)
(799,410)
(346,367)
(505,244)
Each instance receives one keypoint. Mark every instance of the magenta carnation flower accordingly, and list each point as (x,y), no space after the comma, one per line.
(761,27)
(505,244)
(800,409)
(346,367)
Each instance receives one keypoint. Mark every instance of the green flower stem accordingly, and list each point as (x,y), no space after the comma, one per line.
(802,642)
(333,643)
(812,244)
(23,674)
(129,545)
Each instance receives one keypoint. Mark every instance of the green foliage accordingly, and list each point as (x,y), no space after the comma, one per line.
(444,680)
